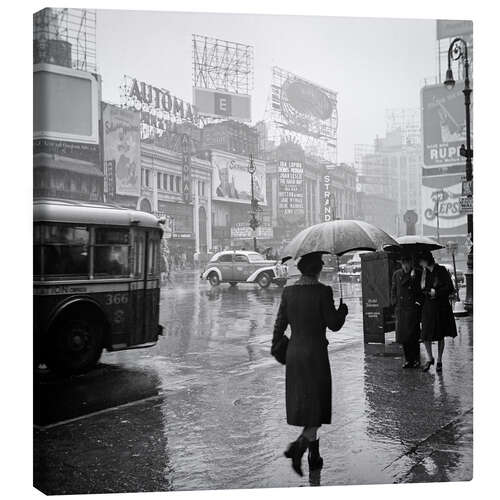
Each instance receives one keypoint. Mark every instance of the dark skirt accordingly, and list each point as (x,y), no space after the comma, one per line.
(308,383)
(438,321)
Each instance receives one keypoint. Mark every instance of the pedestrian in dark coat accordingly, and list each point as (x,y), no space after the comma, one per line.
(308,307)
(438,321)
(407,298)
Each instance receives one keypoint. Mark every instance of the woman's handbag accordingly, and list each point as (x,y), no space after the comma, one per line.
(279,350)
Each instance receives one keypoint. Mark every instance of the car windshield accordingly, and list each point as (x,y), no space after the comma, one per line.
(255,257)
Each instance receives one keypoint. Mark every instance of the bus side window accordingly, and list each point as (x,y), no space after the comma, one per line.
(65,250)
(111,251)
(153,255)
(139,253)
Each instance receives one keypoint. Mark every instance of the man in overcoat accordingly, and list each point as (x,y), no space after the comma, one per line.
(407,298)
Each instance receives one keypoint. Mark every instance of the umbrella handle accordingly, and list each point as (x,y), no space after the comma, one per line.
(338,275)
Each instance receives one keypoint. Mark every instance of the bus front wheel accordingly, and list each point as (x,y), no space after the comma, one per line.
(76,346)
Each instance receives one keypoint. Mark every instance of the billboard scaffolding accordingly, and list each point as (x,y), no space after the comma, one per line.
(66,37)
(222,78)
(303,112)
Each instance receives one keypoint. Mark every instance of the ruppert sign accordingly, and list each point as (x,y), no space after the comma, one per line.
(443,123)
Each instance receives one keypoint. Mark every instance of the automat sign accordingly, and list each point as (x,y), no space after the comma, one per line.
(159,108)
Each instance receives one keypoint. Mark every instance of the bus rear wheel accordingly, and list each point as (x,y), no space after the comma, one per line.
(76,346)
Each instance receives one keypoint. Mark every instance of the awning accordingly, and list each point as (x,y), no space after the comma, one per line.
(47,160)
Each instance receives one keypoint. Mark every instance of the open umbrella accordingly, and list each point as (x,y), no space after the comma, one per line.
(414,244)
(337,237)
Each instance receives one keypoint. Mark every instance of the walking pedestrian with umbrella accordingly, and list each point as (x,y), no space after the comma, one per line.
(308,307)
(438,321)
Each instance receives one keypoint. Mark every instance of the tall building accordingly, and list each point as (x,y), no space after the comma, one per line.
(392,170)
(66,142)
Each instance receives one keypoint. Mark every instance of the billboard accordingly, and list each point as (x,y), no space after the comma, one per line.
(291,191)
(232,181)
(122,148)
(443,124)
(304,112)
(441,196)
(449,28)
(65,104)
(222,104)
(242,231)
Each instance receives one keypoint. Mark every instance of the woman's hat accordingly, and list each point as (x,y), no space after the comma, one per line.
(311,263)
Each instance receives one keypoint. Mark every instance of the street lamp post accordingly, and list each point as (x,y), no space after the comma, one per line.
(458,50)
(254,223)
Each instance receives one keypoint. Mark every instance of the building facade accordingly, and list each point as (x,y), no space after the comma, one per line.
(189,222)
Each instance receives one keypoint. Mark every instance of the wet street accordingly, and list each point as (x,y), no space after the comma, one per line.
(205,408)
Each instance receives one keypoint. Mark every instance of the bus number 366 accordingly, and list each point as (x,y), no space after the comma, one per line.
(116,299)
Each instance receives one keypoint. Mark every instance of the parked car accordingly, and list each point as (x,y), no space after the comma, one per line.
(240,266)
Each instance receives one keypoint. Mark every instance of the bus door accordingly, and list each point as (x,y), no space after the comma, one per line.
(144,289)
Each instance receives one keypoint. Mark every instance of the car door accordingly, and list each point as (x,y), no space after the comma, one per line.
(241,267)
(225,266)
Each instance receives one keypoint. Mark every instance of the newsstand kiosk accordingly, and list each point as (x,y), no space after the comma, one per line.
(377,269)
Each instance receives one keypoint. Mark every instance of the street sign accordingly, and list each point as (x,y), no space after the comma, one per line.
(466,204)
(466,188)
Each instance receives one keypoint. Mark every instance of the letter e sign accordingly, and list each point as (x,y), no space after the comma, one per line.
(222,104)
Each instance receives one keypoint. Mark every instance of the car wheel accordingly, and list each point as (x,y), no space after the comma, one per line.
(76,346)
(264,280)
(213,279)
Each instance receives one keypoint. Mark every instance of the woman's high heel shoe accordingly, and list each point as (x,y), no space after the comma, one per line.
(295,451)
(427,365)
(313,457)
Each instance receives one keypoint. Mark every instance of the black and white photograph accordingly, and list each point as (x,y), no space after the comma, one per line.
(252,250)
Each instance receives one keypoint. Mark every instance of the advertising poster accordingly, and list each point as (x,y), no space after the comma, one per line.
(242,231)
(443,122)
(232,181)
(122,148)
(291,191)
(441,199)
(222,104)
(305,112)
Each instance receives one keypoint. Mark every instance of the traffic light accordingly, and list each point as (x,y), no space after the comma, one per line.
(254,223)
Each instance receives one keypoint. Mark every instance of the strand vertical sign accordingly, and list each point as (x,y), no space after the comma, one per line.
(186,168)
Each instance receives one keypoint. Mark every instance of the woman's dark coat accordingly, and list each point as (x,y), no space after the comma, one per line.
(437,314)
(407,298)
(309,310)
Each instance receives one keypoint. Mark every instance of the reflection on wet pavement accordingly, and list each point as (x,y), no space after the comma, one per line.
(221,417)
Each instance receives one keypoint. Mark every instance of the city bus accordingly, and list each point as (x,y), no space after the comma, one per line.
(96,277)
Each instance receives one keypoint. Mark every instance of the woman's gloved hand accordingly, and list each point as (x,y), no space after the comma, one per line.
(343,308)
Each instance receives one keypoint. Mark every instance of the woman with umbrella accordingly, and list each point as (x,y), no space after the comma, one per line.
(438,321)
(308,307)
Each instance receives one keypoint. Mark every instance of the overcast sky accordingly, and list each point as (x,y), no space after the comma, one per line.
(373,64)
